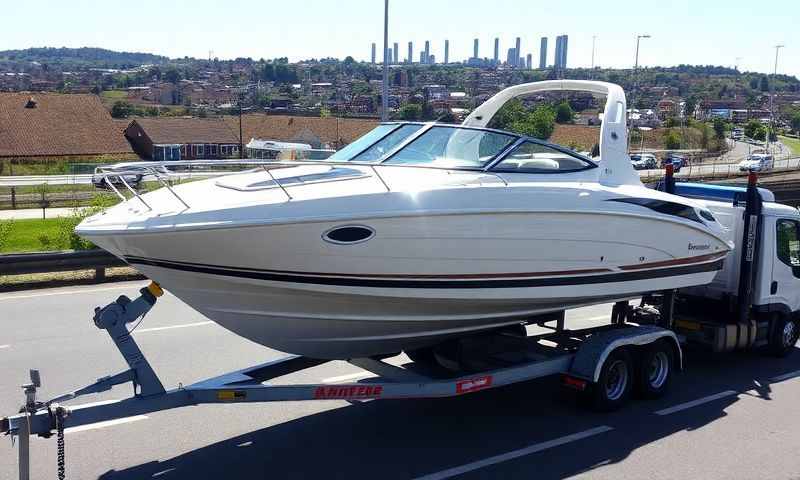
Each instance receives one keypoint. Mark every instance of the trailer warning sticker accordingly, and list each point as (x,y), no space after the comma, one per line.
(473,384)
(349,392)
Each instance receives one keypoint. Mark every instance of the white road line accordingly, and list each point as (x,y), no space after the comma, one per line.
(452,472)
(108,423)
(185,325)
(64,292)
(346,378)
(779,378)
(694,403)
(4,346)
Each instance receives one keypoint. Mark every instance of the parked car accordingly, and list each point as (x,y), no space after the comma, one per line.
(677,161)
(757,162)
(737,134)
(133,180)
(644,161)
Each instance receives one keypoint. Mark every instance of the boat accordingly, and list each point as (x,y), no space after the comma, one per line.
(414,234)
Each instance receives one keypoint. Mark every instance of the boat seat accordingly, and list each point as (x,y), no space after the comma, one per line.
(539,164)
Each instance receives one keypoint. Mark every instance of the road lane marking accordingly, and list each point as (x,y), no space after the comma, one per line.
(64,292)
(4,346)
(107,423)
(694,403)
(346,378)
(779,378)
(452,472)
(185,325)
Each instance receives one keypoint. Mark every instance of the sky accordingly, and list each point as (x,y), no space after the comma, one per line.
(693,32)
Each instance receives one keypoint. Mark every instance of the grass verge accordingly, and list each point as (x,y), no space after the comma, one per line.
(792,143)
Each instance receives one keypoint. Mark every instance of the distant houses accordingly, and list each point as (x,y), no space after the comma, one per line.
(37,126)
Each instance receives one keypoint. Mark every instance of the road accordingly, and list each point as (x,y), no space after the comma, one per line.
(727,417)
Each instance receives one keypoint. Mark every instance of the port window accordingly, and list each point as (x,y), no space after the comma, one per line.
(530,157)
(788,243)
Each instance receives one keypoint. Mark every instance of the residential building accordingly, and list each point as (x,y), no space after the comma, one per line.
(512,54)
(373,53)
(41,125)
(543,53)
(475,49)
(561,52)
(427,50)
(529,61)
(496,50)
(395,53)
(446,52)
(410,52)
(517,47)
(388,57)
(174,138)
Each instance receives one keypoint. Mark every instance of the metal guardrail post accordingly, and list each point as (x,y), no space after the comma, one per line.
(13,197)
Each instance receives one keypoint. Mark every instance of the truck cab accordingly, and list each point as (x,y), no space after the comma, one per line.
(758,305)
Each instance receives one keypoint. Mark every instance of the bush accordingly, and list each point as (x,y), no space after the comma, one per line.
(5,231)
(564,113)
(672,141)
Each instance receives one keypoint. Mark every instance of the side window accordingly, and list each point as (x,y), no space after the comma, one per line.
(788,243)
(530,157)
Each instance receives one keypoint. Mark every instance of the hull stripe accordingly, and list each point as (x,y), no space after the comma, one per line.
(276,276)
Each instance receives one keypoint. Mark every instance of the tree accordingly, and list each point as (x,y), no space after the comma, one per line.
(172,75)
(764,84)
(564,113)
(689,105)
(719,128)
(672,141)
(539,124)
(754,129)
(410,111)
(121,109)
(795,122)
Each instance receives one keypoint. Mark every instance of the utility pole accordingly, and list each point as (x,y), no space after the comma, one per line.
(771,96)
(385,92)
(591,74)
(241,147)
(635,77)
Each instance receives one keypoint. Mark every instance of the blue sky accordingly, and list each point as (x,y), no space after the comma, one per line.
(683,31)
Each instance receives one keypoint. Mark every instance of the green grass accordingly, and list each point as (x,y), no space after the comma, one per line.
(112,96)
(792,143)
(27,235)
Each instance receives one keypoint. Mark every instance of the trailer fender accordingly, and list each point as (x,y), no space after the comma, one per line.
(593,352)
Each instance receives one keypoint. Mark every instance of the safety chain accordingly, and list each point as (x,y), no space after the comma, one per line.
(61,461)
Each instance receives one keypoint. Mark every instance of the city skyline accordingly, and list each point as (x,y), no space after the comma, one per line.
(683,32)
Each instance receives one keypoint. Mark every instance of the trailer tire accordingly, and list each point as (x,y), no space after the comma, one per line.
(614,385)
(423,356)
(783,336)
(655,370)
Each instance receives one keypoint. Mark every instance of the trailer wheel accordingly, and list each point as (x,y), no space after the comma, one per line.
(613,388)
(423,356)
(655,370)
(784,335)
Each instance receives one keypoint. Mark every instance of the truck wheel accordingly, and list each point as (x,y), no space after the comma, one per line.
(613,388)
(655,370)
(784,335)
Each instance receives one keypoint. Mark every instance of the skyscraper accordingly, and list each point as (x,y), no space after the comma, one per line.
(557,57)
(410,52)
(427,51)
(446,52)
(388,58)
(395,52)
(512,53)
(543,53)
(529,62)
(519,53)
(475,49)
(373,53)
(560,62)
(496,50)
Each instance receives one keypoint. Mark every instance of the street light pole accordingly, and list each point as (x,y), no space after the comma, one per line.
(772,95)
(635,77)
(594,38)
(385,92)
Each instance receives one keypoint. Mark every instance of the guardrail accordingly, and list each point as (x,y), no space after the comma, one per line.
(46,262)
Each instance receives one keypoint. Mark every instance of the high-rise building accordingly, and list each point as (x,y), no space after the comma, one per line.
(422,59)
(373,52)
(388,57)
(529,62)
(410,52)
(395,53)
(560,61)
(496,50)
(543,53)
(427,51)
(512,54)
(446,52)
(475,49)
(432,59)
(518,47)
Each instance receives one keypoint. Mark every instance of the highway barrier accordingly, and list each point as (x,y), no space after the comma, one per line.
(46,262)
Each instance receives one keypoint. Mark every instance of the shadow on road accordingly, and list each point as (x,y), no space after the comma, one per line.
(406,439)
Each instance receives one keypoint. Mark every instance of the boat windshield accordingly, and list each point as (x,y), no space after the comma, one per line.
(376,143)
(453,147)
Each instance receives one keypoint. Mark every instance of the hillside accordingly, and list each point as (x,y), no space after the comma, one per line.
(85,56)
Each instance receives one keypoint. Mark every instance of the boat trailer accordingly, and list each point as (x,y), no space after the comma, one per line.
(580,366)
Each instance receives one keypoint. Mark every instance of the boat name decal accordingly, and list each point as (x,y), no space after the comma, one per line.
(350,391)
(473,384)
(704,246)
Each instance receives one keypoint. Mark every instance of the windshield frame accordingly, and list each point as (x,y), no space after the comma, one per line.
(489,166)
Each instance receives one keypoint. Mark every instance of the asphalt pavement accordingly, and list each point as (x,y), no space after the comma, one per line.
(730,416)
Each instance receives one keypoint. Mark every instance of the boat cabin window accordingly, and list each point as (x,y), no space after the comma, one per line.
(531,157)
(453,147)
(375,143)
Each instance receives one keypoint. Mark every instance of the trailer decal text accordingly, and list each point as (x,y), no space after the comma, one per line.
(349,392)
(473,384)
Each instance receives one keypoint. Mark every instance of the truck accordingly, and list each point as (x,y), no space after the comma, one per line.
(752,303)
